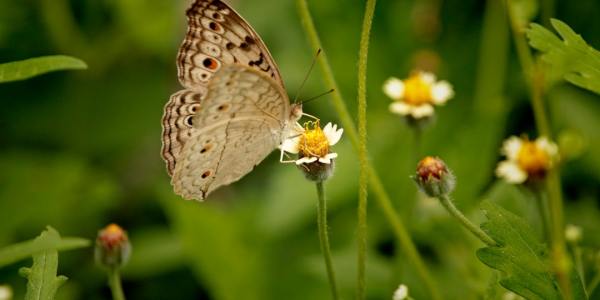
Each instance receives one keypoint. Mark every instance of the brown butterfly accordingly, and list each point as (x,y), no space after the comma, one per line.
(233,110)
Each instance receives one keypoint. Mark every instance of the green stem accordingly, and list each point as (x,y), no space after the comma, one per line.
(547,11)
(449,205)
(417,133)
(542,204)
(593,283)
(577,257)
(114,282)
(324,239)
(382,199)
(535,82)
(363,55)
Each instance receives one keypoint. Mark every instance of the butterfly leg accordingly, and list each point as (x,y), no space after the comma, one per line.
(281,157)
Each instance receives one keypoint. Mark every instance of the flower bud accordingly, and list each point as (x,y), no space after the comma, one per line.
(433,177)
(401,293)
(317,171)
(6,292)
(113,248)
(573,233)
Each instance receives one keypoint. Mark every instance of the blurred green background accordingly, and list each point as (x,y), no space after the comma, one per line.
(81,149)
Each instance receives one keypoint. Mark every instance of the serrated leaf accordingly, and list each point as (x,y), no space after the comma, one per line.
(42,282)
(16,252)
(24,69)
(519,255)
(571,57)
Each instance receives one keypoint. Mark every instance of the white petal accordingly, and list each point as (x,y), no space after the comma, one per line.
(327,128)
(331,155)
(290,145)
(511,147)
(394,88)
(427,77)
(332,133)
(421,111)
(306,160)
(401,293)
(441,92)
(511,172)
(325,160)
(547,146)
(400,108)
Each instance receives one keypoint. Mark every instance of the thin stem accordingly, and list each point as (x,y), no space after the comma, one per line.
(593,283)
(449,205)
(547,11)
(577,257)
(417,133)
(114,282)
(535,82)
(324,238)
(542,204)
(363,55)
(382,198)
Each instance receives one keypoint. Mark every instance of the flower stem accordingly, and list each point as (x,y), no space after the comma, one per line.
(535,81)
(382,198)
(593,283)
(449,205)
(417,133)
(542,204)
(363,55)
(324,239)
(114,282)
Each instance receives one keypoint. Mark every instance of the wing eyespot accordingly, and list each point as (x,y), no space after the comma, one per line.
(189,121)
(210,63)
(206,174)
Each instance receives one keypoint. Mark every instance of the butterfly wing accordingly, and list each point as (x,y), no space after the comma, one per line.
(240,121)
(216,37)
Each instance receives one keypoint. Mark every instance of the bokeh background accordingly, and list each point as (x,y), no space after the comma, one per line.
(81,149)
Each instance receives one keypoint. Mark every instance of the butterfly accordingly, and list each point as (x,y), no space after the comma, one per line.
(233,109)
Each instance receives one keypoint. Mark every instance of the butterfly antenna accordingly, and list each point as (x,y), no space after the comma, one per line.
(312,65)
(317,96)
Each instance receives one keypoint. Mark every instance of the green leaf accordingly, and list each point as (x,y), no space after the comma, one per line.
(25,69)
(519,255)
(16,252)
(42,281)
(572,58)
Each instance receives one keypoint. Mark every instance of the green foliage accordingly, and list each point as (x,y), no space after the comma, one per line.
(25,69)
(211,242)
(568,55)
(48,241)
(42,281)
(519,255)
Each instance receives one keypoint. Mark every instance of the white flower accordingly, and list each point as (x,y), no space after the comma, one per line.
(401,293)
(313,144)
(5,292)
(526,159)
(417,95)
(573,233)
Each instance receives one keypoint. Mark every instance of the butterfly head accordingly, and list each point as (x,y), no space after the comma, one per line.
(296,112)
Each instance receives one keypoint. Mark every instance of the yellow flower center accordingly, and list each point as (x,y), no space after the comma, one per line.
(313,141)
(533,160)
(416,90)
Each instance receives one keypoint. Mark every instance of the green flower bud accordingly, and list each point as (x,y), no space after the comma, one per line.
(433,177)
(113,248)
